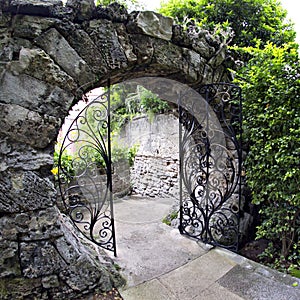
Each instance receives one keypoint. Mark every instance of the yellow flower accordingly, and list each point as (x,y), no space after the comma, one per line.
(54,171)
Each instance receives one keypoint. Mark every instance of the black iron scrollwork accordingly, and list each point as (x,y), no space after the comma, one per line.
(211,159)
(85,183)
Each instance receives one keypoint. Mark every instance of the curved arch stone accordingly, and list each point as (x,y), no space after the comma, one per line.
(50,55)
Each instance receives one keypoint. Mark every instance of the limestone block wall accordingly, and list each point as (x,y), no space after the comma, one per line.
(50,54)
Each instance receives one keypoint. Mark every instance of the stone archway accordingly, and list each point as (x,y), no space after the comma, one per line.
(50,55)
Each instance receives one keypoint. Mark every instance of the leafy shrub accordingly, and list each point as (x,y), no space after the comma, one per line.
(271,88)
(250,20)
(71,165)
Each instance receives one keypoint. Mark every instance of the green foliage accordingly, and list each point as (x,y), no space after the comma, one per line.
(271,88)
(131,154)
(250,20)
(127,3)
(170,217)
(72,166)
(150,103)
(294,272)
(124,153)
(66,162)
(128,102)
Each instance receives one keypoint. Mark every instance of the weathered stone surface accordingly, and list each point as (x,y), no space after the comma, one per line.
(221,75)
(84,263)
(8,256)
(31,61)
(219,57)
(156,165)
(30,27)
(6,45)
(65,56)
(84,46)
(33,7)
(202,47)
(195,65)
(50,55)
(104,36)
(50,282)
(33,94)
(143,48)
(40,225)
(126,43)
(21,288)
(208,74)
(18,44)
(25,191)
(4,5)
(193,38)
(151,23)
(22,156)
(113,12)
(40,258)
(167,56)
(27,126)
(84,9)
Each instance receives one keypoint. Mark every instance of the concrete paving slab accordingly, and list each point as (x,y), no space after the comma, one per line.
(137,210)
(151,290)
(146,247)
(160,264)
(189,281)
(217,292)
(251,285)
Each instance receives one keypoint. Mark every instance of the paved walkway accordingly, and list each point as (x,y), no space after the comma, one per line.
(159,263)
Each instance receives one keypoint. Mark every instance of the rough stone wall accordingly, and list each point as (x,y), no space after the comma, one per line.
(49,55)
(155,176)
(156,166)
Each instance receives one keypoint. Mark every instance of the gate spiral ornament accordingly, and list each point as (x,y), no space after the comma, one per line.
(211,168)
(85,174)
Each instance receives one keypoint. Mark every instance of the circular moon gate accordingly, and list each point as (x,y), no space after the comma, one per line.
(210,163)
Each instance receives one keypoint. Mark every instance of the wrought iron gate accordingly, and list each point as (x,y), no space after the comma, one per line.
(85,173)
(210,167)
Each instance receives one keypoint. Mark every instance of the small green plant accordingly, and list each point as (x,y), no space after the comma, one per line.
(170,217)
(294,271)
(66,162)
(131,154)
